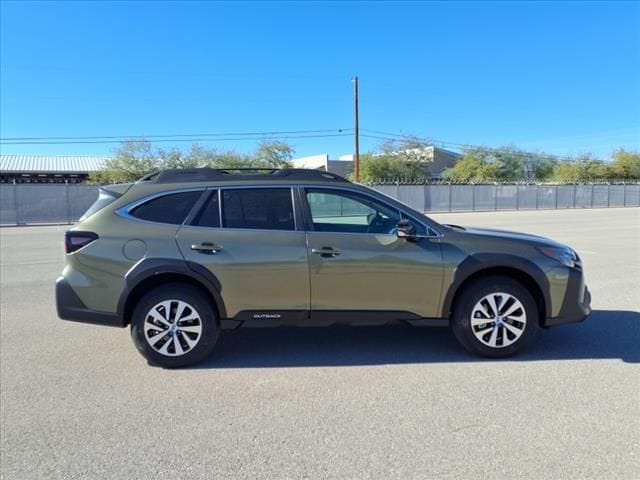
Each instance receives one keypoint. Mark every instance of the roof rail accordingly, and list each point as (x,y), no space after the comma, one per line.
(234,174)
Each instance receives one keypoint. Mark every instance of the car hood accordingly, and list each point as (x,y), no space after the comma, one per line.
(506,234)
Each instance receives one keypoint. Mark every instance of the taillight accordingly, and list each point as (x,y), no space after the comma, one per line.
(76,240)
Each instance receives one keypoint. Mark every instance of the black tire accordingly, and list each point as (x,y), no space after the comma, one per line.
(196,301)
(467,334)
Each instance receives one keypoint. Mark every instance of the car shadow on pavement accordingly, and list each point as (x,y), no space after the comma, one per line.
(606,334)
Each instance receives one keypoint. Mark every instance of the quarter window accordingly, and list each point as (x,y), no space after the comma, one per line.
(258,208)
(172,208)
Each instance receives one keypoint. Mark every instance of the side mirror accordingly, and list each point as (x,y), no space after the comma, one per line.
(406,229)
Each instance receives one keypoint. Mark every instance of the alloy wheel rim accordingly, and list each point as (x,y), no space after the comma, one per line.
(498,320)
(172,328)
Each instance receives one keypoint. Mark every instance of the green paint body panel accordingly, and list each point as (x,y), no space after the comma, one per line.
(375,272)
(258,269)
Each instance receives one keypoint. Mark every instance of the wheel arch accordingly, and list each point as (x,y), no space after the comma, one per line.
(519,269)
(153,272)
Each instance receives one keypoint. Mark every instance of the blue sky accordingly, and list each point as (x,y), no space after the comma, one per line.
(558,77)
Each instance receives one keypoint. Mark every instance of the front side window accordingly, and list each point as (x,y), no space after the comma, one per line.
(172,208)
(348,212)
(258,208)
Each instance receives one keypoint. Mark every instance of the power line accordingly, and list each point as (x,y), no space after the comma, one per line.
(394,137)
(178,135)
(195,139)
(176,72)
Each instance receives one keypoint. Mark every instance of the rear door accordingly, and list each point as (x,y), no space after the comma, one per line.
(251,240)
(357,262)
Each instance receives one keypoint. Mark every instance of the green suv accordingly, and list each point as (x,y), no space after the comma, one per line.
(183,254)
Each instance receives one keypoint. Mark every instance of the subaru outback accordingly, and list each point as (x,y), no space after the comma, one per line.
(182,255)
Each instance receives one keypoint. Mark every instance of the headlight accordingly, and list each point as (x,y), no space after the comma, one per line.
(564,255)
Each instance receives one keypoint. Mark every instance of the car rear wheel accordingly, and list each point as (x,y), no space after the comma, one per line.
(174,326)
(495,317)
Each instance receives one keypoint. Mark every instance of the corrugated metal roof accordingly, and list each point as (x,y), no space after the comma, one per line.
(50,163)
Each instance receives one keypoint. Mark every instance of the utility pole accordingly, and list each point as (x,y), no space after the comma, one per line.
(356,157)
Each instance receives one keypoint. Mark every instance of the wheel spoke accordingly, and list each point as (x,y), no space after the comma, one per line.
(486,330)
(189,318)
(500,302)
(480,307)
(180,310)
(479,321)
(513,329)
(522,318)
(513,308)
(178,345)
(190,328)
(165,348)
(494,337)
(152,326)
(492,304)
(156,339)
(157,316)
(190,342)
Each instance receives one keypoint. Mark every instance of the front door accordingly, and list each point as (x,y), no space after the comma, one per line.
(357,262)
(248,238)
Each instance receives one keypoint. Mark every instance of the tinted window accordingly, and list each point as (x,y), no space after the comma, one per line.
(262,208)
(209,216)
(172,208)
(335,211)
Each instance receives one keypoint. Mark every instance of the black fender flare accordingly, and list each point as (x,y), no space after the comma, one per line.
(150,267)
(484,261)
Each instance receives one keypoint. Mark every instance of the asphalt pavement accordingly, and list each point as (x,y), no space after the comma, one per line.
(78,401)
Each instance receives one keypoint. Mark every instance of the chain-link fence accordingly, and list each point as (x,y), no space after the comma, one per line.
(482,197)
(25,204)
(33,203)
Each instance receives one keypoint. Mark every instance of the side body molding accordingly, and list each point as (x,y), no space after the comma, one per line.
(148,268)
(485,261)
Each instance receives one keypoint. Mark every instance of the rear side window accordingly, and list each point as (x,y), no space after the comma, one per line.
(172,208)
(259,208)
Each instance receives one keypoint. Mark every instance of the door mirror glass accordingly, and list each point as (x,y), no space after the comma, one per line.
(406,229)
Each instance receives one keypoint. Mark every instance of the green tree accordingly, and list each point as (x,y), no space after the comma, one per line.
(404,160)
(625,164)
(566,171)
(584,168)
(472,169)
(134,159)
(592,168)
(487,164)
(273,153)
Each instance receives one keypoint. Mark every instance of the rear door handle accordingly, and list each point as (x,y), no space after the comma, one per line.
(206,247)
(326,252)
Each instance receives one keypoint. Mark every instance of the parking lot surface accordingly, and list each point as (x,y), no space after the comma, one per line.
(78,401)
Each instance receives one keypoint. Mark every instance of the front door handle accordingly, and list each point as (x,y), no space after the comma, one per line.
(326,252)
(206,247)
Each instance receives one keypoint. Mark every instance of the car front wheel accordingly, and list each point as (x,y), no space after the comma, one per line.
(495,317)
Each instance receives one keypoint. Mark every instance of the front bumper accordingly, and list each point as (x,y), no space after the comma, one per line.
(70,307)
(576,305)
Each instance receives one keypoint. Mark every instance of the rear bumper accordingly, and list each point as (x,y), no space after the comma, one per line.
(70,307)
(576,305)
